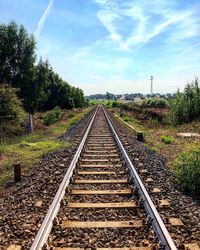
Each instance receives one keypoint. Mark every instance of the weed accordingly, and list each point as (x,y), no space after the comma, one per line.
(126,118)
(154,122)
(187,170)
(167,139)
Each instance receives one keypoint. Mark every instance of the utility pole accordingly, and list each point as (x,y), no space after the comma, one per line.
(151,79)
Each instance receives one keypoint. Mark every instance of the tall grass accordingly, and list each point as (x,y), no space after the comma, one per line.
(187,170)
(185,107)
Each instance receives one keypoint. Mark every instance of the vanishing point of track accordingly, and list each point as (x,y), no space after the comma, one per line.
(102,202)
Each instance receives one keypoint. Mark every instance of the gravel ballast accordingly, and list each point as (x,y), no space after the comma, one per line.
(25,204)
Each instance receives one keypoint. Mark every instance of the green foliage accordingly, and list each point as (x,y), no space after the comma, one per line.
(187,170)
(154,122)
(12,114)
(109,103)
(185,107)
(52,116)
(40,88)
(114,104)
(93,101)
(167,139)
(126,118)
(17,58)
(155,102)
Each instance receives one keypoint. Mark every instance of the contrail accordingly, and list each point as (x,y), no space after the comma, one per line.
(188,50)
(43,18)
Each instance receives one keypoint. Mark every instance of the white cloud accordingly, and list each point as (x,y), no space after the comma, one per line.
(42,20)
(101,1)
(108,17)
(149,19)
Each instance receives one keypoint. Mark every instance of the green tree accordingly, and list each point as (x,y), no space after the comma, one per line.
(39,86)
(42,82)
(17,58)
(12,114)
(185,107)
(64,100)
(78,97)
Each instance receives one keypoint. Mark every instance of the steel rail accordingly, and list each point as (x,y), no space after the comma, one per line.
(47,224)
(162,233)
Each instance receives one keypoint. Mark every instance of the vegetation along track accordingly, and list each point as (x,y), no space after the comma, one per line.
(102,202)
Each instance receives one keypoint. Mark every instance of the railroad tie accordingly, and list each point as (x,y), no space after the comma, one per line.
(102,192)
(102,224)
(100,181)
(130,204)
(99,173)
(118,248)
(100,166)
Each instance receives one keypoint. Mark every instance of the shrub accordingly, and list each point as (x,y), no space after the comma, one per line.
(187,170)
(12,115)
(115,104)
(185,107)
(167,139)
(52,116)
(126,118)
(155,102)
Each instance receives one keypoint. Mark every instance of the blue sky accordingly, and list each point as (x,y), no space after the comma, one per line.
(114,45)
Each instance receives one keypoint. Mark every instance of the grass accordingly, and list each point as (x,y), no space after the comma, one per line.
(28,149)
(133,122)
(167,139)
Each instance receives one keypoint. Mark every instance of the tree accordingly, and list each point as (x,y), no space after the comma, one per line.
(185,107)
(17,58)
(78,97)
(12,114)
(40,88)
(42,82)
(64,100)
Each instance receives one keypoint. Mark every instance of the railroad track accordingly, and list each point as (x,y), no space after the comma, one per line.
(102,202)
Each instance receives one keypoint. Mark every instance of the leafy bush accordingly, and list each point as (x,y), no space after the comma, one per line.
(155,102)
(12,114)
(126,118)
(52,116)
(167,139)
(187,170)
(114,104)
(110,103)
(185,107)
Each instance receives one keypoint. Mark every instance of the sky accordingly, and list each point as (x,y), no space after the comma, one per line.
(114,45)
